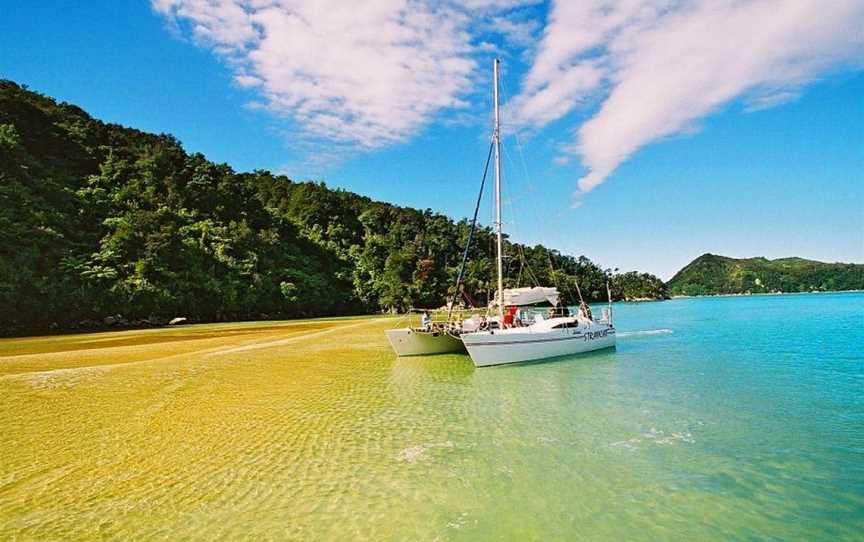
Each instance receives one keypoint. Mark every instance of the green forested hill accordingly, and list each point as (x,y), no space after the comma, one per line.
(97,219)
(710,274)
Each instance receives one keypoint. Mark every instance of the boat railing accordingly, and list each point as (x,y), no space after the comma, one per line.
(441,319)
(605,316)
(451,321)
(527,315)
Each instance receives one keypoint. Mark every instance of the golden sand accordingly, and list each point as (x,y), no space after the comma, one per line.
(152,432)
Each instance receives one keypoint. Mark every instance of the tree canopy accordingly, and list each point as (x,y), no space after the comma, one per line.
(98,219)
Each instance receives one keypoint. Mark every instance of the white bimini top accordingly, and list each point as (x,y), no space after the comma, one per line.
(530,296)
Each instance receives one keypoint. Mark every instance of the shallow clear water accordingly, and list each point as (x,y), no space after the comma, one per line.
(715,418)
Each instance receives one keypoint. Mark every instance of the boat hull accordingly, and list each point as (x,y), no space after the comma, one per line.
(497,348)
(411,342)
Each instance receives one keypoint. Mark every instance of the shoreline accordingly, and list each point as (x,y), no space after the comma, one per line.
(60,331)
(748,294)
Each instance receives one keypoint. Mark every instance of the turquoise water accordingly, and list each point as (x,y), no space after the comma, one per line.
(715,418)
(738,418)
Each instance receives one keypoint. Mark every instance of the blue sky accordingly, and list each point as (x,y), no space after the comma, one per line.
(641,159)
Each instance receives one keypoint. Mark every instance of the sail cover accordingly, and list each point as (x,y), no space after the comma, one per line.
(530,296)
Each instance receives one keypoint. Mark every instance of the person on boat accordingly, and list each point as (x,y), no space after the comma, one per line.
(559,310)
(509,316)
(426,321)
(585,311)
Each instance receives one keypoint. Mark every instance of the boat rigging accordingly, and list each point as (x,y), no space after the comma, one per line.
(511,331)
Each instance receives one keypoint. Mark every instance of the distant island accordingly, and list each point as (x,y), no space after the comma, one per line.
(103,225)
(710,274)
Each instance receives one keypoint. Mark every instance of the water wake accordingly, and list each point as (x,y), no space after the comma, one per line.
(643,333)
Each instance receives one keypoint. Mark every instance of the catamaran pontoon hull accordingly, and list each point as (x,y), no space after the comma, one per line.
(415,342)
(512,346)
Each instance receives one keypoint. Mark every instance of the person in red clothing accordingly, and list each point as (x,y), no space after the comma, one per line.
(509,315)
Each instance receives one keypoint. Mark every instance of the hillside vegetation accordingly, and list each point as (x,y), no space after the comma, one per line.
(100,220)
(710,275)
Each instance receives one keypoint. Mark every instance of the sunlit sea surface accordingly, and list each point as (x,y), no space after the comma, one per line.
(716,418)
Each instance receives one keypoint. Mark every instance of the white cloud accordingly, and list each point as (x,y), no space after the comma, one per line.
(247,81)
(374,73)
(366,73)
(519,33)
(660,65)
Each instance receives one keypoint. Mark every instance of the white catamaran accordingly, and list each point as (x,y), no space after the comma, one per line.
(514,333)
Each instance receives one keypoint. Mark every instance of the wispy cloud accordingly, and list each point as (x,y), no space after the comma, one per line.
(364,75)
(369,73)
(658,66)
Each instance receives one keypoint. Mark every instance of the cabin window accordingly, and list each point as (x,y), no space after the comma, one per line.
(565,325)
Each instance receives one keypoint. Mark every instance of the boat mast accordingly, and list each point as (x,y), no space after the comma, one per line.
(497,135)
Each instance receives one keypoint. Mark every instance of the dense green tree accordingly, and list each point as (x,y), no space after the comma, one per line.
(97,219)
